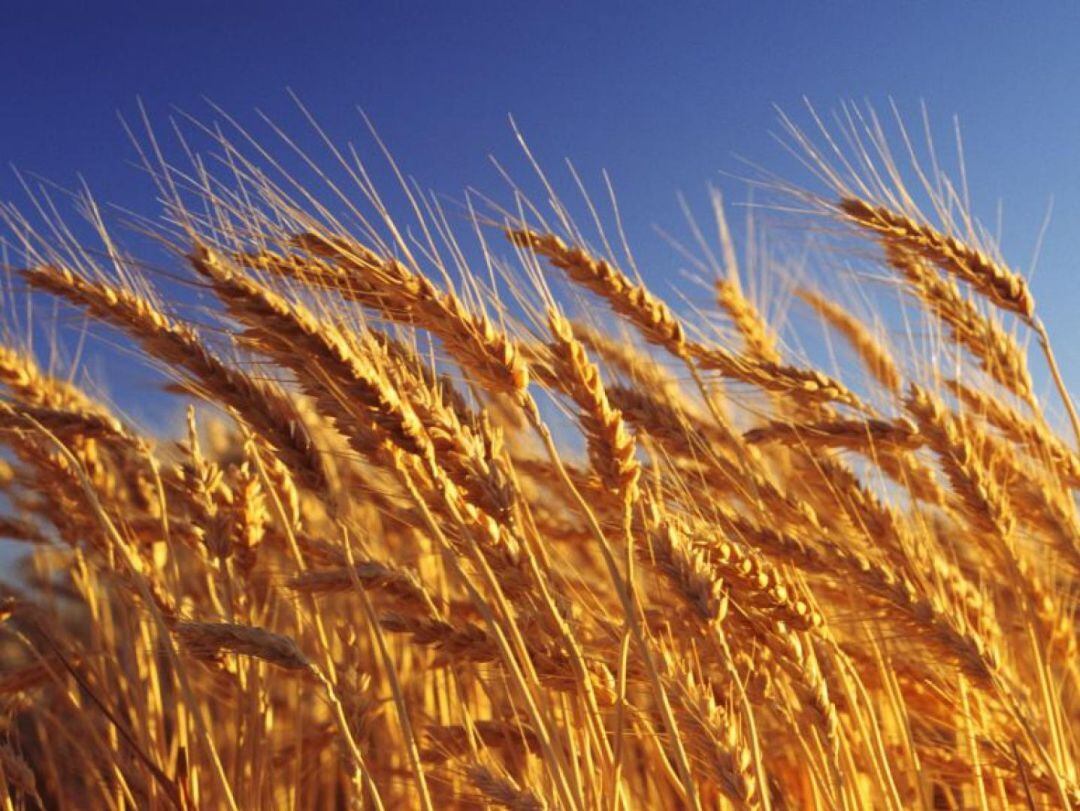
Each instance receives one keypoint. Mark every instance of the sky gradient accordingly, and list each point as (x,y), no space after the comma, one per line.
(665,96)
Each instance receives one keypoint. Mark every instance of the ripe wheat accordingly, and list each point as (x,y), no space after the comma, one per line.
(430,539)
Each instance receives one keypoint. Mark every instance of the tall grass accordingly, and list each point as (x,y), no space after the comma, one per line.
(465,515)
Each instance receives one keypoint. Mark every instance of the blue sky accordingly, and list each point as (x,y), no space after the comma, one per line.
(664,95)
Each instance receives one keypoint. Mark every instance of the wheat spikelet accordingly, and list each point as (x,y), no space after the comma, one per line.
(67,424)
(626,358)
(714,739)
(996,351)
(779,378)
(681,433)
(865,436)
(207,640)
(750,580)
(349,388)
(441,386)
(759,340)
(269,412)
(402,586)
(911,474)
(469,337)
(611,448)
(1028,433)
(690,571)
(633,301)
(501,790)
(876,357)
(467,642)
(987,505)
(469,452)
(950,633)
(20,373)
(1000,285)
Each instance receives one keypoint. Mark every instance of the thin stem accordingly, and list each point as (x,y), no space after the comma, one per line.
(395,684)
(1044,341)
(626,598)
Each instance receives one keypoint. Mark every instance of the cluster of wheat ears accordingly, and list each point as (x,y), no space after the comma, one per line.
(381,569)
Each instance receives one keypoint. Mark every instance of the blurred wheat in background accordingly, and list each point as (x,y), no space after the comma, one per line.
(464,515)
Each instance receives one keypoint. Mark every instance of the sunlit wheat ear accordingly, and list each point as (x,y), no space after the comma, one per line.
(987,503)
(69,424)
(660,326)
(879,362)
(178,346)
(468,643)
(21,375)
(1031,434)
(759,339)
(809,384)
(713,737)
(995,350)
(632,301)
(689,571)
(738,571)
(624,356)
(440,387)
(350,381)
(400,585)
(611,447)
(347,385)
(468,446)
(403,295)
(679,432)
(1004,287)
(949,633)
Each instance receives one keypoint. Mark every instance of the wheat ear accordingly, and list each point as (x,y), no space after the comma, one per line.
(875,357)
(1004,287)
(268,410)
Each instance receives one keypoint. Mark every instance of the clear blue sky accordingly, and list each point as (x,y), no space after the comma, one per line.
(662,94)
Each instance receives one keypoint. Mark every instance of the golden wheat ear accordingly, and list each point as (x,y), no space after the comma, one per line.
(904,237)
(1004,287)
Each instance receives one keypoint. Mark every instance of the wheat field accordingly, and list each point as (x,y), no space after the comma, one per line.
(446,509)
